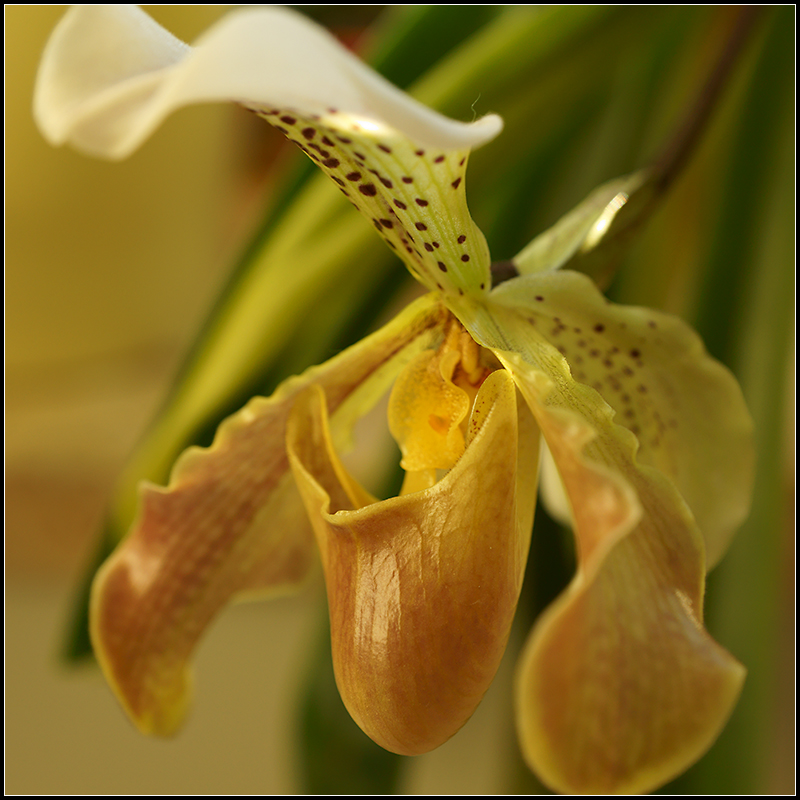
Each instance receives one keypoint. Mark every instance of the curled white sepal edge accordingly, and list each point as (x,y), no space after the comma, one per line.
(109,75)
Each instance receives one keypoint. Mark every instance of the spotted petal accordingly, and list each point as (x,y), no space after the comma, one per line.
(685,409)
(110,75)
(422,588)
(620,688)
(230,521)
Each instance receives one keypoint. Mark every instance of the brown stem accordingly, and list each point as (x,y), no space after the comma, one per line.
(674,156)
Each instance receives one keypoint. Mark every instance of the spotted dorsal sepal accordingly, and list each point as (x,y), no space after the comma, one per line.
(110,75)
(414,195)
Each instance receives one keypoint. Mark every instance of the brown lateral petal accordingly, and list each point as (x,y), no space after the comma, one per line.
(620,688)
(194,547)
(230,521)
(422,588)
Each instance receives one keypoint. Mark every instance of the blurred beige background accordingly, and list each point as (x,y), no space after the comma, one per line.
(109,271)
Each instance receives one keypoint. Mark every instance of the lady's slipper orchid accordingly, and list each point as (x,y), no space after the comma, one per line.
(619,687)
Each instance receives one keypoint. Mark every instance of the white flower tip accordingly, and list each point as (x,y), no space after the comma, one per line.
(95,51)
(110,74)
(485,129)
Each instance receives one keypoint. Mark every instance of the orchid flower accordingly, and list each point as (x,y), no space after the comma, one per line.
(619,687)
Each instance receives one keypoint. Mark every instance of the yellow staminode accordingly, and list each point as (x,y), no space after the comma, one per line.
(430,404)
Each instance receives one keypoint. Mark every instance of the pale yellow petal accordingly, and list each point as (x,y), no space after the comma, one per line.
(422,588)
(686,409)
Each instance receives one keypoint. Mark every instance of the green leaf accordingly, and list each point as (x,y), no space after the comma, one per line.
(747,316)
(588,225)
